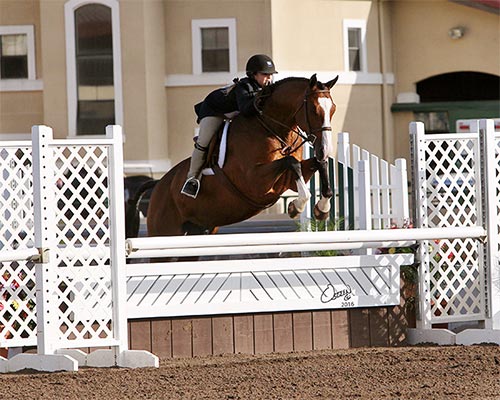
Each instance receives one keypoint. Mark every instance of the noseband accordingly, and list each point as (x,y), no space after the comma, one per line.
(308,136)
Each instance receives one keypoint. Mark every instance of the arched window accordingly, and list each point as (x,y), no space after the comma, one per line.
(459,86)
(94,77)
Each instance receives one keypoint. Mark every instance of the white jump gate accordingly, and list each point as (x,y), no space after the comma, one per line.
(62,259)
(457,184)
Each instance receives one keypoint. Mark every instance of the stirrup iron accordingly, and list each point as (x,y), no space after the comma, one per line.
(191,187)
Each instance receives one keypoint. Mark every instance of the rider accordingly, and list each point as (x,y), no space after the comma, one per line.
(238,97)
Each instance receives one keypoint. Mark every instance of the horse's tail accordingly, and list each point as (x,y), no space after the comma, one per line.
(132,220)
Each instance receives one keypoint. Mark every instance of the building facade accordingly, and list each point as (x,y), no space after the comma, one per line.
(79,65)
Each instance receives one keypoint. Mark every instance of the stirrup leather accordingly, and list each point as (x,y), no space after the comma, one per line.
(191,187)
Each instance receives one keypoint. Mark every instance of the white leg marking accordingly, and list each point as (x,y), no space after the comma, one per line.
(304,195)
(302,189)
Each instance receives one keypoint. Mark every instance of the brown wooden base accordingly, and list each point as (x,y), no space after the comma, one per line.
(270,332)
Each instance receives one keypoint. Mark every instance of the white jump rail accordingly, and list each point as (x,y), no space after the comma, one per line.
(290,241)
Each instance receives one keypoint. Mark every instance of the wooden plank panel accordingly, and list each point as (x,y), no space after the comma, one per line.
(243,334)
(283,327)
(161,337)
(340,329)
(263,333)
(140,335)
(182,330)
(202,336)
(222,331)
(322,330)
(379,327)
(302,331)
(359,327)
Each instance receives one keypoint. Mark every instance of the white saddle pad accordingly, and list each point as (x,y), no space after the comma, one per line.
(222,150)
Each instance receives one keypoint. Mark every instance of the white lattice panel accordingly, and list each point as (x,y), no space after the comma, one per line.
(79,176)
(450,184)
(82,197)
(237,286)
(17,280)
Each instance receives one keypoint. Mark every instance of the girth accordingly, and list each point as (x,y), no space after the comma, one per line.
(226,182)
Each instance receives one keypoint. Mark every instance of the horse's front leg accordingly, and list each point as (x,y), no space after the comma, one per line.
(322,207)
(299,204)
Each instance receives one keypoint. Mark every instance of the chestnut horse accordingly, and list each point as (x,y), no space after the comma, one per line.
(263,160)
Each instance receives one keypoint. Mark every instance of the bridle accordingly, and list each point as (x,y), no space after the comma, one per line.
(308,136)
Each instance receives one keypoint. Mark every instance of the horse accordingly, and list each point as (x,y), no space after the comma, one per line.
(264,158)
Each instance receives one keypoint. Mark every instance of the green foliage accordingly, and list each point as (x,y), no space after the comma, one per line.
(322,226)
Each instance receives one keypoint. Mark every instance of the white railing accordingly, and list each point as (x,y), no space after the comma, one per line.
(380,189)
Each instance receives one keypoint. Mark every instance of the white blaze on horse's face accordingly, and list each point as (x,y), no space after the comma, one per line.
(326,104)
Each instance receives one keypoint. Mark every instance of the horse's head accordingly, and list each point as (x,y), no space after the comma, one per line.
(301,106)
(315,116)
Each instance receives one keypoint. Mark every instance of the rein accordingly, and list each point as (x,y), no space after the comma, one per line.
(305,136)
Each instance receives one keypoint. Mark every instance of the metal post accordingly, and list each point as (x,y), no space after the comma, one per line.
(491,268)
(117,232)
(45,239)
(417,139)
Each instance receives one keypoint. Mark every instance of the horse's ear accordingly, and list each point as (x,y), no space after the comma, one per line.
(313,81)
(330,84)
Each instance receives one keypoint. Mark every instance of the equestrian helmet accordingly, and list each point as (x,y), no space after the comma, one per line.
(260,63)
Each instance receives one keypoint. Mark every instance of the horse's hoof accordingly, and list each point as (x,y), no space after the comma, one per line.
(320,215)
(292,211)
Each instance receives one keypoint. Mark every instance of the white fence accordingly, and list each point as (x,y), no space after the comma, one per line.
(379,190)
